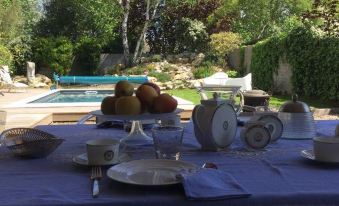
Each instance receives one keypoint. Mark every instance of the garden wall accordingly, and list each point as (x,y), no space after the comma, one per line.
(281,79)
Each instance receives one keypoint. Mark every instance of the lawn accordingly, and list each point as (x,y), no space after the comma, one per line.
(275,101)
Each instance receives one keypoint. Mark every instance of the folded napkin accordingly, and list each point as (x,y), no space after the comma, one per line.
(211,184)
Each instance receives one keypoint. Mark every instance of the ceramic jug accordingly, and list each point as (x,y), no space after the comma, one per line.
(215,123)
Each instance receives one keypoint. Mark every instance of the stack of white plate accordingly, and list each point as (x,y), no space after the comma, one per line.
(298,125)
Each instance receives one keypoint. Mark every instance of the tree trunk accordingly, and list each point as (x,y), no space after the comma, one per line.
(141,40)
(126,7)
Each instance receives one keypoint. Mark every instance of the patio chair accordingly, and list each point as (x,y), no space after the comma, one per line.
(7,83)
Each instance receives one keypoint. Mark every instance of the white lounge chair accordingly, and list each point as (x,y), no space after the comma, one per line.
(222,79)
(7,83)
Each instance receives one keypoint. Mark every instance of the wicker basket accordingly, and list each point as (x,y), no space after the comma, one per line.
(30,143)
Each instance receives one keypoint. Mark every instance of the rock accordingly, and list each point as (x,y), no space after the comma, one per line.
(21,79)
(4,75)
(39,85)
(198,59)
(43,79)
(30,72)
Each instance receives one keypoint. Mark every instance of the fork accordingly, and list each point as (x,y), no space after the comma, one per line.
(96,176)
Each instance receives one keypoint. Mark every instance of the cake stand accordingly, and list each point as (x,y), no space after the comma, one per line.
(137,136)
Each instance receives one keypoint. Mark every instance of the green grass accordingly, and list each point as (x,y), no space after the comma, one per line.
(275,101)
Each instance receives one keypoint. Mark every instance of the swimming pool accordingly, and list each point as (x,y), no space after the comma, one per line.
(64,98)
(74,96)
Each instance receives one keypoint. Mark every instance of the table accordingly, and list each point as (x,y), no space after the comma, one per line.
(279,176)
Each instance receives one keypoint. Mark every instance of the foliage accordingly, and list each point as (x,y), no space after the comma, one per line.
(315,63)
(162,37)
(232,73)
(55,53)
(87,53)
(327,11)
(76,18)
(257,19)
(313,59)
(222,44)
(22,52)
(265,61)
(203,70)
(191,36)
(5,56)
(161,76)
(17,20)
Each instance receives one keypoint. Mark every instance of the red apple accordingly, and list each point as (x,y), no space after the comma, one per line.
(164,103)
(108,105)
(146,95)
(156,87)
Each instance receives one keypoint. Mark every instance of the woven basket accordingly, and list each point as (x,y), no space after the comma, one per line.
(30,143)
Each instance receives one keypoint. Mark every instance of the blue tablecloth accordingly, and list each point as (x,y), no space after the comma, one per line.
(278,176)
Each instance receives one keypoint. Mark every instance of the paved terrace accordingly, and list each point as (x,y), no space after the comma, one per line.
(30,117)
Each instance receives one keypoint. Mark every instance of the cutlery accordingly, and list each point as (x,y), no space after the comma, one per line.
(96,176)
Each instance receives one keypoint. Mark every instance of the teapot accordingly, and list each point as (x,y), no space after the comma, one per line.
(215,123)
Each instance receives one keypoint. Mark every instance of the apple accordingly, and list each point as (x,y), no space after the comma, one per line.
(146,95)
(164,103)
(124,88)
(156,87)
(128,105)
(108,105)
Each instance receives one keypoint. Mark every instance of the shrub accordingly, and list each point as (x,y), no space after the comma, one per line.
(22,52)
(191,36)
(232,73)
(55,53)
(5,56)
(223,43)
(161,76)
(203,71)
(87,52)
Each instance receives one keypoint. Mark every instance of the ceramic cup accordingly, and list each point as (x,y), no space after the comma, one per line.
(326,149)
(102,151)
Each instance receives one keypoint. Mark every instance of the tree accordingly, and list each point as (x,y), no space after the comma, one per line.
(258,19)
(150,13)
(76,18)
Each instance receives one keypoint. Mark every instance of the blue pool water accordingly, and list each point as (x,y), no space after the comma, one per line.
(75,96)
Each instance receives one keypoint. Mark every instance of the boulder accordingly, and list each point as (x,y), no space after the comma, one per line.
(198,59)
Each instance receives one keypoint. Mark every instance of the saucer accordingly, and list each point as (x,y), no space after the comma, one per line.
(308,154)
(83,161)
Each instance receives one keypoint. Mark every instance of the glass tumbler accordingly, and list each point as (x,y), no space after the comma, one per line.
(167,141)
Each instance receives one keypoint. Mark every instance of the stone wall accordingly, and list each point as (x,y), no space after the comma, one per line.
(282,78)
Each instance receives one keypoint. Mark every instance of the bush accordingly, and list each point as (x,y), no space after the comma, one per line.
(223,43)
(313,57)
(55,53)
(5,56)
(232,74)
(191,36)
(22,52)
(202,71)
(161,76)
(87,52)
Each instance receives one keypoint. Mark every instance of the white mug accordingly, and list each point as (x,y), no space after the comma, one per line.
(326,149)
(102,151)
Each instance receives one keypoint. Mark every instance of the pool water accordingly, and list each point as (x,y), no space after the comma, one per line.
(75,96)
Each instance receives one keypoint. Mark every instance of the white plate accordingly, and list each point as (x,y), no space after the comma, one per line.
(150,172)
(308,154)
(144,116)
(82,160)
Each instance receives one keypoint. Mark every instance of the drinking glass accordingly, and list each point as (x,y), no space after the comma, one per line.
(167,141)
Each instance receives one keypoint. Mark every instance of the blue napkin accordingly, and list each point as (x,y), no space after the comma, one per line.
(211,184)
